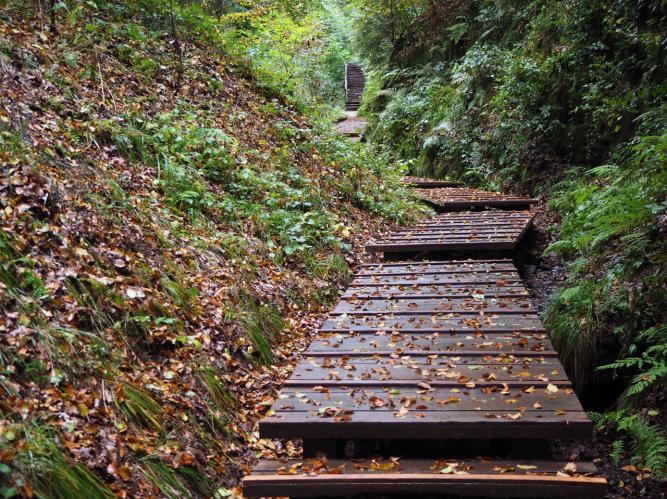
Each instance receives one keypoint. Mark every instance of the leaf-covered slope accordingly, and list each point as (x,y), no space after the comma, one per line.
(169,234)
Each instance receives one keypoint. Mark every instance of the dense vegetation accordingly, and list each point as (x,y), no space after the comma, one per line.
(563,99)
(172,223)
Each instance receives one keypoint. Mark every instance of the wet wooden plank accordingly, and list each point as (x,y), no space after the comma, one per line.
(494,478)
(430,278)
(443,322)
(471,466)
(341,424)
(462,263)
(465,198)
(428,183)
(416,245)
(481,398)
(385,371)
(431,359)
(507,303)
(433,292)
(428,342)
(457,234)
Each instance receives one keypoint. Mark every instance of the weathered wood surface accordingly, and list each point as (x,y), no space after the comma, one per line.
(454,198)
(354,86)
(459,231)
(429,183)
(477,478)
(458,359)
(438,350)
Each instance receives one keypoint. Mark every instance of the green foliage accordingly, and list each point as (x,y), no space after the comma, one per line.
(649,444)
(297,52)
(138,405)
(52,474)
(165,478)
(223,399)
(379,25)
(651,364)
(261,324)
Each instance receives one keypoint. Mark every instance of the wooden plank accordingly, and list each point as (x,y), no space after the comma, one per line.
(430,359)
(398,383)
(412,477)
(386,371)
(427,183)
(514,467)
(421,245)
(433,292)
(446,263)
(421,293)
(420,268)
(458,197)
(487,398)
(416,353)
(445,322)
(489,343)
(429,278)
(341,424)
(453,234)
(485,215)
(508,303)
(430,362)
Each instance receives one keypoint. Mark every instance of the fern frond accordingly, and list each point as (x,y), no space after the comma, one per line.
(617,448)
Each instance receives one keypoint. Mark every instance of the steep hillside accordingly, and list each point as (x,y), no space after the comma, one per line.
(171,227)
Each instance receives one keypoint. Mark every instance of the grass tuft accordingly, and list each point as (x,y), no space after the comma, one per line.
(54,475)
(261,324)
(165,478)
(138,406)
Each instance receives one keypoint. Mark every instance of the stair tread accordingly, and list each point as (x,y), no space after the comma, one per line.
(474,477)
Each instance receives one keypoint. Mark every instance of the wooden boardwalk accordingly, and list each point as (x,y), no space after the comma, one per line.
(429,183)
(457,198)
(492,230)
(436,362)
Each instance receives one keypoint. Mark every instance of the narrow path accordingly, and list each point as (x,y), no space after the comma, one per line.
(353,125)
(435,361)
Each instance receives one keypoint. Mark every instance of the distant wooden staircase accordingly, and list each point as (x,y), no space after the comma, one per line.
(354,86)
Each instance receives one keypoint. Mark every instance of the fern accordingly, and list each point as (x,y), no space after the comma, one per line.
(652,363)
(617,448)
(649,444)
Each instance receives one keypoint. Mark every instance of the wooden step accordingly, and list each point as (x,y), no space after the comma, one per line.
(443,477)
(464,198)
(445,350)
(429,183)
(459,231)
